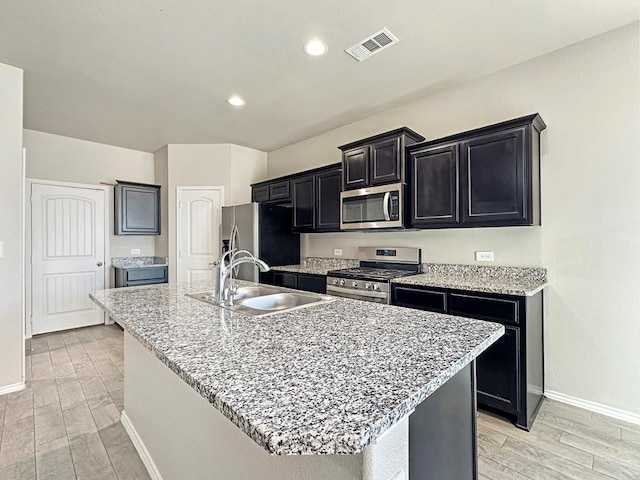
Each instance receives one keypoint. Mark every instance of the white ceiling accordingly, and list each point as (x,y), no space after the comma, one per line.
(144,73)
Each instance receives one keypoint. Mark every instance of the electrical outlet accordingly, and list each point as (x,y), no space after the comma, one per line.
(484,256)
(135,251)
(337,252)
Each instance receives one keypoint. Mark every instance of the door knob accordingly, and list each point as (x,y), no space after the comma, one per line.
(99,264)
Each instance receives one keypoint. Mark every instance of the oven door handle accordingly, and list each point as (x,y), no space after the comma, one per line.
(360,293)
(385,206)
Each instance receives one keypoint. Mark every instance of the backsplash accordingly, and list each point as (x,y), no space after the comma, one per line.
(488,272)
(330,263)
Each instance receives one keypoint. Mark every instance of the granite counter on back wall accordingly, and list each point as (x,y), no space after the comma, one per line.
(327,379)
(318,265)
(138,262)
(479,278)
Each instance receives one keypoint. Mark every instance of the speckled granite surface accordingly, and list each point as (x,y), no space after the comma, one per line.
(478,278)
(138,262)
(318,265)
(328,379)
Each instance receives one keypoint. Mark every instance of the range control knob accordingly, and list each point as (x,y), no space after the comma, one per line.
(335,281)
(354,284)
(376,286)
(342,282)
(367,286)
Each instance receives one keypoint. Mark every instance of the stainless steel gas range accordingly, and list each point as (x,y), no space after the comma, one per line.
(372,280)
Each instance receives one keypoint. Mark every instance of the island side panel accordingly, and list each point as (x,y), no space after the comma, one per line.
(186,437)
(442,431)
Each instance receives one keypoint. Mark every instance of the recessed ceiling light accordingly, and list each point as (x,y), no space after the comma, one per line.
(315,48)
(236,101)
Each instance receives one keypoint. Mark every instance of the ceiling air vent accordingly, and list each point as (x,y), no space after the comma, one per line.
(372,45)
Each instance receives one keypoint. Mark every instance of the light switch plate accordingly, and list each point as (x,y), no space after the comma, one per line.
(1,249)
(484,256)
(337,251)
(135,251)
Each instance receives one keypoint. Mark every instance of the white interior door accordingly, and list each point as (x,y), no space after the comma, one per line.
(67,247)
(199,236)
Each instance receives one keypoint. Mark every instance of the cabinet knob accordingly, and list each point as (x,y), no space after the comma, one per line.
(99,264)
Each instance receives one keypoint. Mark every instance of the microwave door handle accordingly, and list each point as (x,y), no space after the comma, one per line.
(385,206)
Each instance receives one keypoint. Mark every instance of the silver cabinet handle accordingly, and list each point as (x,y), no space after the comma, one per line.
(385,206)
(99,264)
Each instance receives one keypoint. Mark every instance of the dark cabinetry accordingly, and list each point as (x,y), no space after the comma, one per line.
(377,160)
(304,203)
(132,277)
(137,209)
(485,177)
(314,196)
(509,372)
(328,188)
(300,281)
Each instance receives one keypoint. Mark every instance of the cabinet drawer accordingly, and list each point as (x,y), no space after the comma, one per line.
(423,299)
(312,283)
(279,191)
(493,309)
(260,194)
(284,279)
(156,274)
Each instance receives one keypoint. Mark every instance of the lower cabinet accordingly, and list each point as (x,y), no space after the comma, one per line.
(299,281)
(133,277)
(510,372)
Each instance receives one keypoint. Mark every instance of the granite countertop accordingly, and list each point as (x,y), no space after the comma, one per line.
(138,262)
(503,280)
(327,379)
(318,265)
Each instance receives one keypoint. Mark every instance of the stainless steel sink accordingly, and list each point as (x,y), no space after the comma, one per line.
(259,301)
(252,292)
(279,301)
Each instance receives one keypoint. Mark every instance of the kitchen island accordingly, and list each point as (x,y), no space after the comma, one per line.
(330,391)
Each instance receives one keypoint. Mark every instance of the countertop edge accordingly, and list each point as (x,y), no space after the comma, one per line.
(502,290)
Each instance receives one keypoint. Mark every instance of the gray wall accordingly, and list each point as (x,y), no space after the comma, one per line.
(590,235)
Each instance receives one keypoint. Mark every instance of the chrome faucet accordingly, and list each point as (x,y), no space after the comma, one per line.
(225,288)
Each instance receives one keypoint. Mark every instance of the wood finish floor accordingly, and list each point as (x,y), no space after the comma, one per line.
(66,426)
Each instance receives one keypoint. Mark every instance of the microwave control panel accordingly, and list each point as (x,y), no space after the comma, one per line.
(394,207)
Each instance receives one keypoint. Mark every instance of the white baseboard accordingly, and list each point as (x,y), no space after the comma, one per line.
(594,407)
(16,387)
(145,456)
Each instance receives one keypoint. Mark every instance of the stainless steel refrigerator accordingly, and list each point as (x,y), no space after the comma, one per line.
(264,230)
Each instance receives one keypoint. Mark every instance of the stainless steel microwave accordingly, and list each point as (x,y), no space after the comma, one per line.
(372,207)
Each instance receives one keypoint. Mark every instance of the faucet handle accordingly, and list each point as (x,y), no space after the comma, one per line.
(233,288)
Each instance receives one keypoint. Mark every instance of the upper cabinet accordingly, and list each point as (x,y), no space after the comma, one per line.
(377,160)
(485,177)
(314,196)
(137,209)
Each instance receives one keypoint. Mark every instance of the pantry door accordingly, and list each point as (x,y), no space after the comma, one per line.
(68,256)
(199,215)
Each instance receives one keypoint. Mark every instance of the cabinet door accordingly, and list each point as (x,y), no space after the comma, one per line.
(498,371)
(304,201)
(355,168)
(328,201)
(493,176)
(312,283)
(137,209)
(279,191)
(260,194)
(385,162)
(434,185)
(285,279)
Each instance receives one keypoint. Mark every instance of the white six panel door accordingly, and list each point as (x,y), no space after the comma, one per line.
(67,256)
(199,236)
